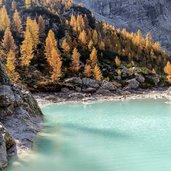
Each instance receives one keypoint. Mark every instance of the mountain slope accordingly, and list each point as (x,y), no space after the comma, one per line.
(148,16)
(97,50)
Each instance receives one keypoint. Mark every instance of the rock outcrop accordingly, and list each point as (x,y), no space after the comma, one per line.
(20,119)
(7,144)
(148,15)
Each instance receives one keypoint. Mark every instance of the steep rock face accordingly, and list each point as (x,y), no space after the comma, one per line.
(148,15)
(20,119)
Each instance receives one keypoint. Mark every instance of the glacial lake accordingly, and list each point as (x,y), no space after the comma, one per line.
(102,136)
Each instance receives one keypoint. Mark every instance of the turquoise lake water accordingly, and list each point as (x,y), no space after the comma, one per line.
(102,136)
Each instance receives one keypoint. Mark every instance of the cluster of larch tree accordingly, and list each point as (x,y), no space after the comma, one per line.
(107,37)
(8,47)
(55,6)
(33,32)
(88,38)
(103,37)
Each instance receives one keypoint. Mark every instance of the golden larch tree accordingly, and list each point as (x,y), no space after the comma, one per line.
(41,24)
(4,19)
(88,70)
(75,64)
(8,41)
(97,73)
(56,65)
(101,45)
(28,3)
(68,4)
(17,22)
(157,46)
(11,66)
(50,44)
(83,37)
(66,46)
(73,22)
(148,40)
(167,70)
(26,49)
(80,23)
(95,37)
(33,28)
(90,44)
(93,57)
(117,61)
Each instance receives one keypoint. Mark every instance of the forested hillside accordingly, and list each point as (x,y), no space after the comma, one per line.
(45,42)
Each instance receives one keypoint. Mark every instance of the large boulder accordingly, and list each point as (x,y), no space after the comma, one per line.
(139,78)
(104,92)
(87,82)
(6,96)
(74,80)
(89,90)
(125,72)
(132,84)
(108,85)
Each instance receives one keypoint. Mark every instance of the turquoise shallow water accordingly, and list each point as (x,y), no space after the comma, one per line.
(108,136)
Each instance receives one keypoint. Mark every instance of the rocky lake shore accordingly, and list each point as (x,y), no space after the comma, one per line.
(45,99)
(76,89)
(20,119)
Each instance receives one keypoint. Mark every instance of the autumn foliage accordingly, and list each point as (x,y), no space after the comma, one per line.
(53,56)
(75,64)
(11,66)
(88,70)
(117,61)
(33,28)
(71,42)
(17,22)
(56,65)
(26,49)
(97,73)
(8,41)
(167,70)
(4,19)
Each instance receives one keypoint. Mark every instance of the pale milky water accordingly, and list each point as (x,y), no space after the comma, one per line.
(102,136)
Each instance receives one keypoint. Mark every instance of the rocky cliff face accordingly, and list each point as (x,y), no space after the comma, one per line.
(148,15)
(20,119)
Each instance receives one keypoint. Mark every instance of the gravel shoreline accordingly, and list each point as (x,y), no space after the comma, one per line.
(45,99)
